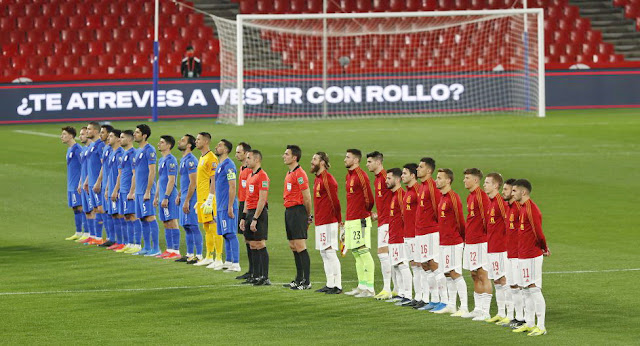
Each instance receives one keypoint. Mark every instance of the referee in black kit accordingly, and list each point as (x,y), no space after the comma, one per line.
(297,216)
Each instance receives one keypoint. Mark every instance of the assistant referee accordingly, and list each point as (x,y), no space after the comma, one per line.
(297,216)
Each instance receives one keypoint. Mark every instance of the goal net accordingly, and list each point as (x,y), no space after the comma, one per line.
(317,66)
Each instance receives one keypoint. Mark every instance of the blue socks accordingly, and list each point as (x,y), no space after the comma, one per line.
(172,236)
(196,237)
(128,231)
(99,222)
(92,226)
(137,232)
(77,216)
(109,227)
(155,235)
(232,247)
(117,230)
(189,238)
(146,235)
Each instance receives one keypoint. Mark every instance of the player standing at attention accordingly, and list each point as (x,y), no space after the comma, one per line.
(297,216)
(515,301)
(206,201)
(398,259)
(94,165)
(428,238)
(113,162)
(242,151)
(497,241)
(357,228)
(227,219)
(532,245)
(74,170)
(255,222)
(382,201)
(410,206)
(167,188)
(451,229)
(328,216)
(144,171)
(475,249)
(98,188)
(125,194)
(85,198)
(188,215)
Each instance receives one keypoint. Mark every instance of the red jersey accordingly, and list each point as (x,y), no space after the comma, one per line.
(295,182)
(496,225)
(245,172)
(450,219)
(383,197)
(258,181)
(396,220)
(531,240)
(476,227)
(427,214)
(513,227)
(359,196)
(410,208)
(326,205)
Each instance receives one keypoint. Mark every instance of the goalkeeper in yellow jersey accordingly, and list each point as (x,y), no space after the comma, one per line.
(206,203)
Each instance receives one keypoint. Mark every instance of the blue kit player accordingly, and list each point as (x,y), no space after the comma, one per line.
(116,219)
(187,209)
(99,187)
(74,171)
(93,156)
(227,213)
(83,189)
(144,171)
(125,186)
(166,194)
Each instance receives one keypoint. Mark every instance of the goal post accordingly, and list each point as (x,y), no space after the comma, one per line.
(316,66)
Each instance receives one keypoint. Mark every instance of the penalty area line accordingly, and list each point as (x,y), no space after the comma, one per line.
(35,133)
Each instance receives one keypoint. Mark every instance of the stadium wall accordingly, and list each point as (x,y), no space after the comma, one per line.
(180,98)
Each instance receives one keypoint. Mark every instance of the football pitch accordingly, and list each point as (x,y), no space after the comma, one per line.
(583,165)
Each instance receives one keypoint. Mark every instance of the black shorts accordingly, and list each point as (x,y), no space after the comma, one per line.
(295,221)
(262,227)
(240,209)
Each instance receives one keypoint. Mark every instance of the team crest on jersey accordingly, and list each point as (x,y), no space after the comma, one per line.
(214,165)
(190,163)
(172,165)
(153,154)
(352,182)
(493,212)
(444,205)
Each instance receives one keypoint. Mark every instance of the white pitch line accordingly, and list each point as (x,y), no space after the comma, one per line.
(239,285)
(35,133)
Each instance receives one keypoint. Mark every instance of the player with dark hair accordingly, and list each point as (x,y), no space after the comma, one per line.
(111,206)
(94,165)
(410,206)
(297,216)
(167,188)
(85,198)
(532,246)
(74,170)
(397,250)
(326,207)
(98,188)
(242,151)
(475,250)
(357,227)
(187,210)
(497,241)
(255,222)
(144,171)
(451,227)
(428,238)
(382,202)
(227,215)
(124,194)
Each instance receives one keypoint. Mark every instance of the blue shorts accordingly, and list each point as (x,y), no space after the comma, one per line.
(226,224)
(106,205)
(144,208)
(114,207)
(73,199)
(87,202)
(96,198)
(192,217)
(170,212)
(126,206)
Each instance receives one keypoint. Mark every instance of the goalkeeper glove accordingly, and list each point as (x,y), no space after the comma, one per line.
(209,205)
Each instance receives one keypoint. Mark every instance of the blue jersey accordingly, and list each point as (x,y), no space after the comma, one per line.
(94,156)
(144,157)
(113,163)
(225,173)
(74,168)
(126,165)
(167,166)
(106,152)
(83,163)
(188,165)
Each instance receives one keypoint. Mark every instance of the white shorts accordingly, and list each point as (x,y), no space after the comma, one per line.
(530,271)
(397,254)
(512,274)
(383,235)
(428,247)
(451,258)
(475,256)
(327,236)
(410,248)
(497,265)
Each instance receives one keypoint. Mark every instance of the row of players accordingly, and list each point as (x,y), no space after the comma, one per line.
(423,227)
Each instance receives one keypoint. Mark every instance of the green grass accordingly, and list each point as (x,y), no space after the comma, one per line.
(584,170)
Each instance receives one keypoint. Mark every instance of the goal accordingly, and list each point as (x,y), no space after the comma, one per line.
(318,66)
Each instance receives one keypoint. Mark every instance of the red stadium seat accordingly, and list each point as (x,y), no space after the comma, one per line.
(141,59)
(67,9)
(130,47)
(25,23)
(281,6)
(122,60)
(264,6)
(381,5)
(7,24)
(61,48)
(50,10)
(363,5)
(88,61)
(96,48)
(129,21)
(99,8)
(105,60)
(112,47)
(478,4)
(69,61)
(44,49)
(86,35)
(34,36)
(195,19)
(59,23)
(120,34)
(605,48)
(593,36)
(26,49)
(462,4)
(79,48)
(248,6)
(76,22)
(54,61)
(9,49)
(295,6)
(15,10)
(41,23)
(15,37)
(145,47)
